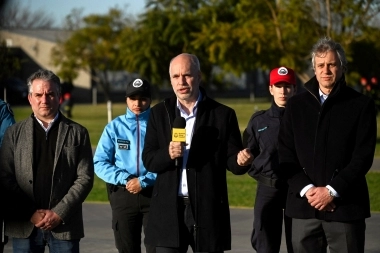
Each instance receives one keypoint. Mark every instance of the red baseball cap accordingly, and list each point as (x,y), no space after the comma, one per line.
(282,74)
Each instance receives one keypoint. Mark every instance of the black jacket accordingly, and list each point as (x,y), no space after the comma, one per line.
(214,147)
(330,144)
(260,137)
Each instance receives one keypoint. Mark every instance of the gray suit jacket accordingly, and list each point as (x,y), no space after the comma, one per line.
(73,177)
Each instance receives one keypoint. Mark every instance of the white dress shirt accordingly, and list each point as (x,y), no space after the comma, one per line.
(190,122)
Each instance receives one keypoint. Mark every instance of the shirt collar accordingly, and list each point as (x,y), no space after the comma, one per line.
(194,108)
(50,123)
(321,94)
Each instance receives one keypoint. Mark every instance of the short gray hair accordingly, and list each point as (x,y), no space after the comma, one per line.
(327,44)
(45,75)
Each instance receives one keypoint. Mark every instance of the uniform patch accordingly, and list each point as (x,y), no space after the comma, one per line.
(262,129)
(124,144)
(282,71)
(137,83)
(123,141)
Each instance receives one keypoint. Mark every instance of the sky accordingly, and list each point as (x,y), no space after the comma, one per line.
(58,9)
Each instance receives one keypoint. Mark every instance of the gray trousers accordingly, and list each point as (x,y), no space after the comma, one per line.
(313,236)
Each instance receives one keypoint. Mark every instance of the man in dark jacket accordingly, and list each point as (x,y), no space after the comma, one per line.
(189,203)
(260,137)
(326,146)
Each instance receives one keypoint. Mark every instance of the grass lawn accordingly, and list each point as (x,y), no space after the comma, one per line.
(241,189)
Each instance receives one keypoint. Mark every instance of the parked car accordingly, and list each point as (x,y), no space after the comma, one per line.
(16,91)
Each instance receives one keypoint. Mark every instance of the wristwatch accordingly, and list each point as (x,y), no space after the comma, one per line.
(331,193)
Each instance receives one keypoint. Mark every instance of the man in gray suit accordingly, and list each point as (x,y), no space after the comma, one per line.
(46,173)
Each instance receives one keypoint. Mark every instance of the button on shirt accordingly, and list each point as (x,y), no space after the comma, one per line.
(190,121)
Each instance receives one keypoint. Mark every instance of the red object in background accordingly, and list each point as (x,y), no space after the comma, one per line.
(374,80)
(363,81)
(66,96)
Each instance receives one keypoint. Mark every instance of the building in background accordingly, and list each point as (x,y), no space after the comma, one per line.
(33,49)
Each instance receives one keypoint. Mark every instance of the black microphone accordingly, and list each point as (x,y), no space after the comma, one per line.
(179,134)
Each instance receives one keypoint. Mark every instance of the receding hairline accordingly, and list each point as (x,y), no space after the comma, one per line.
(45,75)
(193,59)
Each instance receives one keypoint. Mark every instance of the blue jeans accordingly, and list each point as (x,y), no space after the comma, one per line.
(39,239)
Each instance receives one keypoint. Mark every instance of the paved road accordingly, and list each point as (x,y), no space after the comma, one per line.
(376,164)
(99,236)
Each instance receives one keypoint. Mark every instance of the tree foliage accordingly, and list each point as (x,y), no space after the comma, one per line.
(94,48)
(163,32)
(10,64)
(236,35)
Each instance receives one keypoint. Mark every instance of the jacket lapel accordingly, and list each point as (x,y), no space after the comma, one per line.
(62,133)
(29,144)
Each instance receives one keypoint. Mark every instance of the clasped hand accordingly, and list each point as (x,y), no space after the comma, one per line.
(45,219)
(320,199)
(133,186)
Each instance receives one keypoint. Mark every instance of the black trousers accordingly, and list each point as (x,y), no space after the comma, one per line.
(268,220)
(186,226)
(3,238)
(130,213)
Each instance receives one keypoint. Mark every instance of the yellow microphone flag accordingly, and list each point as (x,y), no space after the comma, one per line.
(179,134)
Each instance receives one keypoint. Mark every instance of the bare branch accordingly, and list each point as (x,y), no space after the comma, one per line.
(13,15)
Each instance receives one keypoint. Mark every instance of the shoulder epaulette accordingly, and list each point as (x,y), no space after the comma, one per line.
(258,113)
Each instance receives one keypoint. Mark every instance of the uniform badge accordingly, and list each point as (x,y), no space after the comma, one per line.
(124,144)
(262,129)
(137,83)
(282,71)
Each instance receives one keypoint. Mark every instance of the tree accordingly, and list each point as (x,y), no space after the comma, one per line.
(237,35)
(242,35)
(259,34)
(164,31)
(95,48)
(144,49)
(74,20)
(10,64)
(15,16)
(353,24)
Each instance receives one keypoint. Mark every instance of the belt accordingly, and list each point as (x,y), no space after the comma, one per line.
(183,200)
(271,182)
(114,188)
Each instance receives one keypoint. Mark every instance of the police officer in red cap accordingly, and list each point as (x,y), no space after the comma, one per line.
(260,137)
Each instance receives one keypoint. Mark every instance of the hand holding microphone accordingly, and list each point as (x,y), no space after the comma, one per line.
(176,146)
